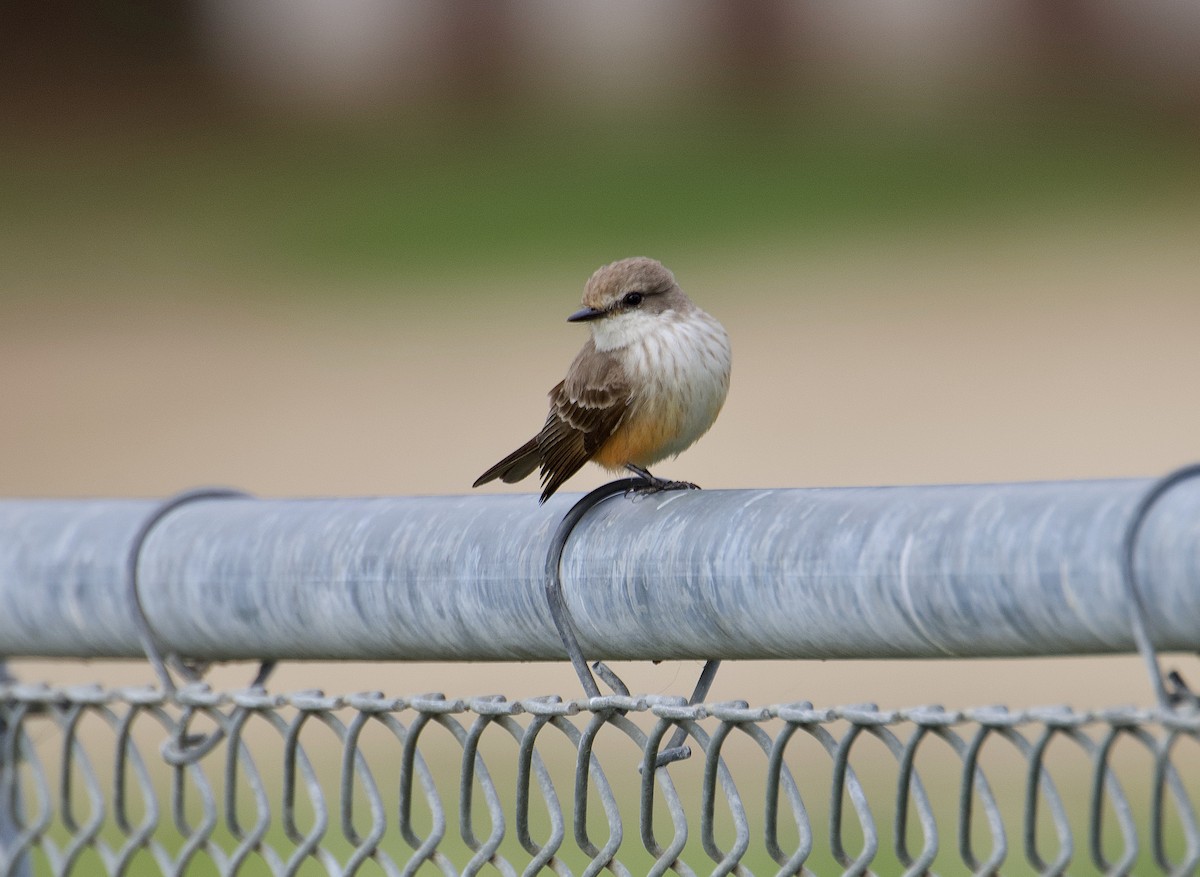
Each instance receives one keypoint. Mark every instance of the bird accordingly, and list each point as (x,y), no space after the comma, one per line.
(648,382)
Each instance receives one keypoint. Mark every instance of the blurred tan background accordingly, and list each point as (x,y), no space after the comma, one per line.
(327,248)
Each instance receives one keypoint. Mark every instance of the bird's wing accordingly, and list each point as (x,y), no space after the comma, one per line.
(515,466)
(585,410)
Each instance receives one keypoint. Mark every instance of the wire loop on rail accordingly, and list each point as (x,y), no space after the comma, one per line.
(1170,691)
(675,749)
(184,748)
(554,591)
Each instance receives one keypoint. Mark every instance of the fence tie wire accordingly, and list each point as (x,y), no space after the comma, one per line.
(1169,690)
(185,747)
(560,613)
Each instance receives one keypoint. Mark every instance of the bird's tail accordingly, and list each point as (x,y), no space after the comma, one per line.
(515,466)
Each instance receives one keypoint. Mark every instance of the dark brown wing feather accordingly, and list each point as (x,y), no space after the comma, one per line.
(585,409)
(577,426)
(515,466)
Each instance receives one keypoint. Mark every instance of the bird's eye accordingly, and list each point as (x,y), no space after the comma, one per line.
(632,299)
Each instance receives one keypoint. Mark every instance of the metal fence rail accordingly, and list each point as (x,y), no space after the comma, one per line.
(310,784)
(970,570)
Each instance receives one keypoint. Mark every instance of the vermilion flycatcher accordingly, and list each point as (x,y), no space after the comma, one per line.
(648,383)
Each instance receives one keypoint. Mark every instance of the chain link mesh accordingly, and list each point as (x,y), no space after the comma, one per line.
(126,781)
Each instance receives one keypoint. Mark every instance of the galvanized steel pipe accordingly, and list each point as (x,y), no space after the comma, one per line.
(899,572)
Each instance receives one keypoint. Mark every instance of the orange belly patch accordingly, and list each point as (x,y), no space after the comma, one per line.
(639,441)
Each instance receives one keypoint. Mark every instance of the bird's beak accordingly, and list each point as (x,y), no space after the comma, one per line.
(585,314)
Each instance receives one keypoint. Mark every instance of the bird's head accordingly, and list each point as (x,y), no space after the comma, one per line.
(624,301)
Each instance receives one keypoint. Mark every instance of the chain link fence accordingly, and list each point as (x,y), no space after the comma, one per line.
(193,781)
(129,782)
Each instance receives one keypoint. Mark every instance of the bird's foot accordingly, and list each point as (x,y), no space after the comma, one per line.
(654,484)
(660,484)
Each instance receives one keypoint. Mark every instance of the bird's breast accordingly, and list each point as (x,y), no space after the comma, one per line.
(679,378)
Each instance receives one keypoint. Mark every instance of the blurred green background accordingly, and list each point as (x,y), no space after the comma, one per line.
(327,248)
(325,143)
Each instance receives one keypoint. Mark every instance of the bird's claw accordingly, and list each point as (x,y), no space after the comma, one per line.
(651,485)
